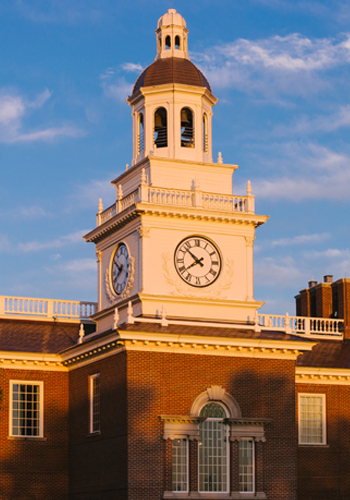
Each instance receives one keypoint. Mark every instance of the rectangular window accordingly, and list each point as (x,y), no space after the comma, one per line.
(26,408)
(312,419)
(213,454)
(246,466)
(95,403)
(179,460)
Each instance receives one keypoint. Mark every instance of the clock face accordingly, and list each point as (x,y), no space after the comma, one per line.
(197,261)
(120,268)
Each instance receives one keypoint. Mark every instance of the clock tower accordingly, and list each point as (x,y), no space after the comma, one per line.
(177,241)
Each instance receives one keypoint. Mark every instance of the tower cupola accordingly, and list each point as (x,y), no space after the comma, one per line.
(172,100)
(171,35)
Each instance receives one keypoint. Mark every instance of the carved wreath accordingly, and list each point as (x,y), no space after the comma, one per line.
(114,297)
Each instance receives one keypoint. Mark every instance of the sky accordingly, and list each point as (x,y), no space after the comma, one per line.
(281,71)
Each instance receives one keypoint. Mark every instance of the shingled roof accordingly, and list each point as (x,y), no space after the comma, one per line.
(327,354)
(38,336)
(171,70)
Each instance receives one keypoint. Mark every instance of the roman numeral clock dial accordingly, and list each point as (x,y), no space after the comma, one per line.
(197,261)
(120,268)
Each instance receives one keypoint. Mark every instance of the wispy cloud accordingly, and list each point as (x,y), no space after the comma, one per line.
(37,246)
(114,85)
(62,12)
(88,195)
(322,123)
(14,108)
(291,64)
(32,212)
(304,239)
(308,171)
(134,68)
(281,272)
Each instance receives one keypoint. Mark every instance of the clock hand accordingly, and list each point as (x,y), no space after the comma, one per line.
(198,261)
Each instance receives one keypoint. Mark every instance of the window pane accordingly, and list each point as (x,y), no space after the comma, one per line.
(28,423)
(95,403)
(213,449)
(179,465)
(311,419)
(246,466)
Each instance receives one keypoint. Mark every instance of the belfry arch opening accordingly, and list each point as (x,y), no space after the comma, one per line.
(187,130)
(177,42)
(167,42)
(140,134)
(205,133)
(160,128)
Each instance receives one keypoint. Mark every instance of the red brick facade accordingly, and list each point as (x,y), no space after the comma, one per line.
(36,468)
(323,471)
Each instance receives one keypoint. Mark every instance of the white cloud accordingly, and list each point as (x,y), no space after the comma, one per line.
(33,212)
(333,253)
(303,239)
(13,109)
(4,243)
(79,265)
(324,123)
(289,64)
(316,172)
(135,68)
(88,195)
(36,246)
(119,90)
(279,272)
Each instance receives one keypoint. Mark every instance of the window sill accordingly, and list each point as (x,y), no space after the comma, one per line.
(94,434)
(235,495)
(313,445)
(26,438)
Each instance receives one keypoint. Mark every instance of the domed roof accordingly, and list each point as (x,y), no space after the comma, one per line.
(171,17)
(171,70)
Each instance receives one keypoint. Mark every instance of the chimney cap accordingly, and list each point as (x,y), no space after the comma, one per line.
(312,283)
(328,278)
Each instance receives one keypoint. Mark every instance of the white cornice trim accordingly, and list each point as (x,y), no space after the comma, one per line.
(324,376)
(31,361)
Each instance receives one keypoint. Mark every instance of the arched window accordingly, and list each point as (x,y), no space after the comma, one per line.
(167,42)
(140,134)
(177,42)
(160,128)
(187,131)
(213,449)
(205,133)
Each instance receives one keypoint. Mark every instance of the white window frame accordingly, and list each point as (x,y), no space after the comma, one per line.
(252,440)
(41,408)
(91,382)
(187,467)
(324,422)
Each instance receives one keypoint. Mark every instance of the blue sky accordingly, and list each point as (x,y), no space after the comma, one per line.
(281,71)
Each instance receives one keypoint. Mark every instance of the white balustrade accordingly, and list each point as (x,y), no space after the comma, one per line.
(45,308)
(108,213)
(224,203)
(301,325)
(130,199)
(176,197)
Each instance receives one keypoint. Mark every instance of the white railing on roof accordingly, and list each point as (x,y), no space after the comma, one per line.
(45,308)
(178,198)
(300,325)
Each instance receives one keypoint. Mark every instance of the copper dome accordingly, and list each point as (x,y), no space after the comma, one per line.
(171,70)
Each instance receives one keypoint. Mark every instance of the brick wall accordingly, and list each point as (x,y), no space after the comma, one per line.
(162,383)
(36,469)
(98,462)
(323,471)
